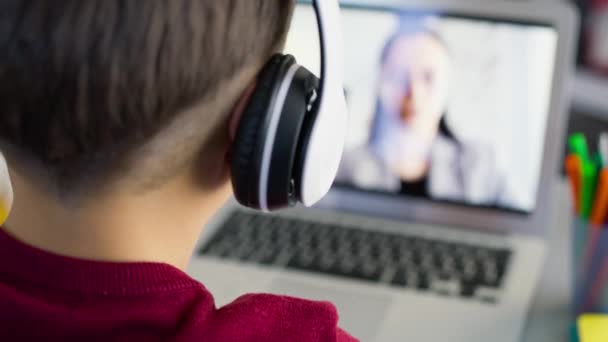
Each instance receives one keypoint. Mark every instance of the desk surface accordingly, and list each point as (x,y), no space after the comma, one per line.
(548,319)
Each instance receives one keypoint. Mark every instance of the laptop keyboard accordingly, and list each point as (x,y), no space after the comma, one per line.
(441,267)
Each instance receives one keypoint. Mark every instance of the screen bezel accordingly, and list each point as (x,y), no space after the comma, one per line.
(560,16)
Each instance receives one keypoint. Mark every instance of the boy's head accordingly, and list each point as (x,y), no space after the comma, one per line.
(130,93)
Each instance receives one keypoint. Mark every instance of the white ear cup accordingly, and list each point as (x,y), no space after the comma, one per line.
(6,191)
(326,143)
(325,150)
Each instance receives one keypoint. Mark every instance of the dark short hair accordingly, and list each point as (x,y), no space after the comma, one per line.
(84,79)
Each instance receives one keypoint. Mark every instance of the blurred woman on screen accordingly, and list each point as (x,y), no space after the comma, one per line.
(411,149)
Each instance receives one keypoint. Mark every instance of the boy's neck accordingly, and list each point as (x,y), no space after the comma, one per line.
(158,226)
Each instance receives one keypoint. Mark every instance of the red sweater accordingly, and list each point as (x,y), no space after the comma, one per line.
(46,297)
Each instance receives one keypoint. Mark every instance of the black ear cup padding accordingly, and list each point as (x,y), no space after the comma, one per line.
(249,140)
(285,172)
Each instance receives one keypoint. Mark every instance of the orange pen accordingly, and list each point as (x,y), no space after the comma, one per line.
(574,171)
(600,208)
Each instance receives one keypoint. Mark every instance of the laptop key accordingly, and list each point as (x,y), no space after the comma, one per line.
(490,274)
(423,281)
(467,288)
(367,272)
(502,260)
(268,256)
(400,277)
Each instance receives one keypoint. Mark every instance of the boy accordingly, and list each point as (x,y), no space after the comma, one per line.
(116,120)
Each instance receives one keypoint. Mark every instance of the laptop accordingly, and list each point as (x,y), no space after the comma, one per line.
(435,229)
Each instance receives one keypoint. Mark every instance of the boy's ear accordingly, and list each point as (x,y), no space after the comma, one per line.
(237,113)
(6,190)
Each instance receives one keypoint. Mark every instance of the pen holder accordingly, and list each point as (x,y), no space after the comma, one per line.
(590,268)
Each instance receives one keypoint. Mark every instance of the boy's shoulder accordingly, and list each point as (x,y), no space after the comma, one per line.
(268,317)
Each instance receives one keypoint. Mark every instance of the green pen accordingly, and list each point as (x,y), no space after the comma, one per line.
(599,161)
(589,175)
(578,145)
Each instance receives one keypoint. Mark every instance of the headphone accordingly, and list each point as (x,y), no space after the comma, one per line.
(290,140)
(6,190)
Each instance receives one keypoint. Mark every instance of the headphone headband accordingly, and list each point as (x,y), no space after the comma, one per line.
(330,37)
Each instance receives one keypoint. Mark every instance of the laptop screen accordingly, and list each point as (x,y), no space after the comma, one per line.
(443,107)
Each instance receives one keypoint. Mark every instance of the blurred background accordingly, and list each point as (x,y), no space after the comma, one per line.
(589,110)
